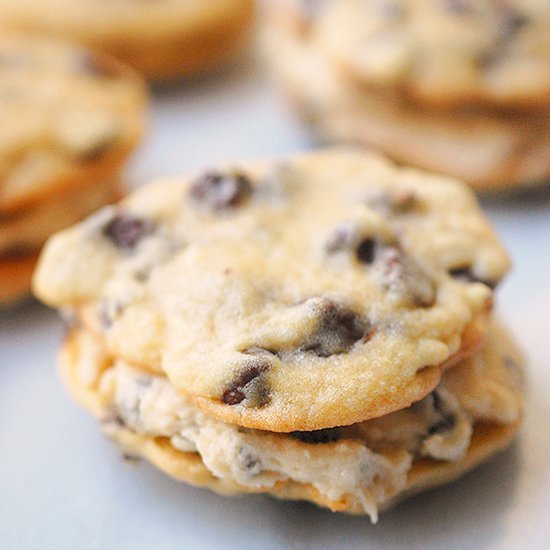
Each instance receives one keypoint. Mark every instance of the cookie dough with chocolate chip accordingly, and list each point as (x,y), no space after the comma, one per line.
(70,119)
(162,39)
(310,303)
(361,468)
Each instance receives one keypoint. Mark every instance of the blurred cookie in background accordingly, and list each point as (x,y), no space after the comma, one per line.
(163,39)
(70,119)
(459,87)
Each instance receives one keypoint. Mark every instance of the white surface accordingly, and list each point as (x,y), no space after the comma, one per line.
(63,486)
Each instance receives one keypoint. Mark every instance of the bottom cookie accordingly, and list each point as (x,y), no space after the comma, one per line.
(359,469)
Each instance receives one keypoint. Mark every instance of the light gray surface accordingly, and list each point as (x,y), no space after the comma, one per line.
(63,486)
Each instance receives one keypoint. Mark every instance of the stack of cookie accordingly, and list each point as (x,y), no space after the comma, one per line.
(314,328)
(460,87)
(70,119)
(162,39)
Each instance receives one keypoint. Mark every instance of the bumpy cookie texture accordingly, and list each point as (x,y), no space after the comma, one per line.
(443,51)
(359,468)
(488,148)
(162,39)
(252,309)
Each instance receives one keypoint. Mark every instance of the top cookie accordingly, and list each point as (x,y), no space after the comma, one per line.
(161,38)
(318,291)
(444,51)
(69,116)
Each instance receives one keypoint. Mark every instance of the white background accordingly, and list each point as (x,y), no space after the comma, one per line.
(63,486)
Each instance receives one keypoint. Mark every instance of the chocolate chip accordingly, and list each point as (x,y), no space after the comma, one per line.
(365,251)
(466,274)
(249,461)
(447,420)
(336,331)
(328,435)
(220,191)
(249,385)
(404,279)
(125,230)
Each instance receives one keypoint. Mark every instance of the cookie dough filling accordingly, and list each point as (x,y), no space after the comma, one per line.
(366,464)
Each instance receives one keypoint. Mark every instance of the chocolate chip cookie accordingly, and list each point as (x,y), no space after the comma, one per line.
(315,291)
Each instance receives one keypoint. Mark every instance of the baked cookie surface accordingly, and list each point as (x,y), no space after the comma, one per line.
(443,52)
(311,292)
(162,39)
(474,412)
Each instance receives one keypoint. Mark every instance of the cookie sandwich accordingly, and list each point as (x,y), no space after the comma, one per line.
(458,87)
(71,117)
(315,328)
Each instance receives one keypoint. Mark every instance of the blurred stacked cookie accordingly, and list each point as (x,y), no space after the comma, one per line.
(70,119)
(318,328)
(461,87)
(161,39)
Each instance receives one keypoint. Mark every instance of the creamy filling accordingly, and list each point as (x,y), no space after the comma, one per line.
(366,462)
